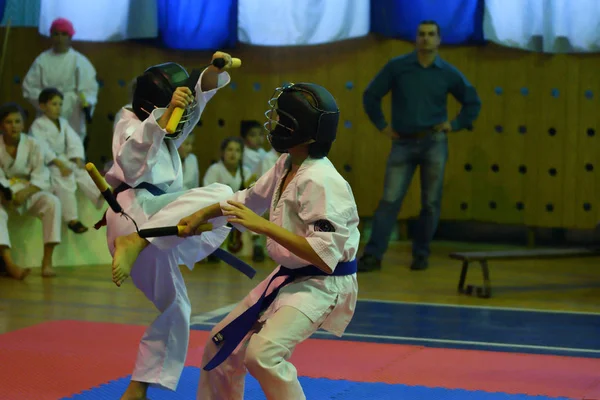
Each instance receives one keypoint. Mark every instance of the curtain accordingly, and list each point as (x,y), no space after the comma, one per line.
(460,21)
(198,24)
(549,26)
(102,20)
(301,22)
(24,13)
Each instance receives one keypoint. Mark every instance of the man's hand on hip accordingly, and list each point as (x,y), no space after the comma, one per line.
(389,132)
(443,127)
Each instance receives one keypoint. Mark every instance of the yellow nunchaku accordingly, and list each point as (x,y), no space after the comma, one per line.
(178,112)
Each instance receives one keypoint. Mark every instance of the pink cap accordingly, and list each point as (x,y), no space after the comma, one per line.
(62,25)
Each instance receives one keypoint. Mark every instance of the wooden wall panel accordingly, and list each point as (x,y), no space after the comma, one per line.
(511,132)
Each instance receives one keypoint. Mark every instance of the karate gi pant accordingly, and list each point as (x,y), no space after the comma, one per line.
(264,353)
(42,205)
(163,347)
(65,188)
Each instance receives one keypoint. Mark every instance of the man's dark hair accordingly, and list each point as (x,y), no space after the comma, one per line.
(431,22)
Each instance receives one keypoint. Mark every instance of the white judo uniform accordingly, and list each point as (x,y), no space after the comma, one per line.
(317,195)
(119,114)
(218,173)
(28,168)
(191,173)
(142,154)
(64,144)
(252,157)
(71,73)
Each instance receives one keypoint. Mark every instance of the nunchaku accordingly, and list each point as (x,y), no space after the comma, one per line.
(111,199)
(176,230)
(220,63)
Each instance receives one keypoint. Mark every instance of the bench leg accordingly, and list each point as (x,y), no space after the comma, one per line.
(486,291)
(463,277)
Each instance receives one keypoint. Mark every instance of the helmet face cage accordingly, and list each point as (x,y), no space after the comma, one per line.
(273,113)
(317,123)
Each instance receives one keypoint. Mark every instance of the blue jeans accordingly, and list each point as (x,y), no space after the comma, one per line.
(430,154)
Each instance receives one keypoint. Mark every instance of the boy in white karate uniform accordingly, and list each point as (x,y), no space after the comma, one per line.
(252,134)
(25,175)
(229,170)
(65,157)
(69,71)
(313,235)
(147,177)
(189,161)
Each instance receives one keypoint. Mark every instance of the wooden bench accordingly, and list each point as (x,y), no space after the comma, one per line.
(485,291)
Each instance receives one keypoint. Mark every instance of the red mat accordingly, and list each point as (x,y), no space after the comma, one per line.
(60,358)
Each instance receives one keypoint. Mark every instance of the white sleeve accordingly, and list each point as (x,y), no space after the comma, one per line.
(38,132)
(40,174)
(211,175)
(3,179)
(138,146)
(191,176)
(258,196)
(74,143)
(202,98)
(88,84)
(247,173)
(326,207)
(32,83)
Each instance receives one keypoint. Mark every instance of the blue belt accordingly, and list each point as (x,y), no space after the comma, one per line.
(231,336)
(219,253)
(144,185)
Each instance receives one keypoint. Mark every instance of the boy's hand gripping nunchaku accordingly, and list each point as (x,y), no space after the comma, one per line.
(221,64)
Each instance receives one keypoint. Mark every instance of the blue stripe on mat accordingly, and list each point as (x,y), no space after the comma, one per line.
(314,388)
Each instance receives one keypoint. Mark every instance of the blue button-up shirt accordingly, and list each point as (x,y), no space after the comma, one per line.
(419,95)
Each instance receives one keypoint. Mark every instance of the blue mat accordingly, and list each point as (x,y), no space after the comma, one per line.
(314,388)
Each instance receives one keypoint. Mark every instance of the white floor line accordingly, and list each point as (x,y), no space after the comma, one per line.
(463,342)
(481,307)
(201,318)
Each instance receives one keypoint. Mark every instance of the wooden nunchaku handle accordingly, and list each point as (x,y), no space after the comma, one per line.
(102,185)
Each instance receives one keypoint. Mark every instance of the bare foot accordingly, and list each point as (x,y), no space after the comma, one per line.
(127,249)
(17,272)
(135,391)
(48,271)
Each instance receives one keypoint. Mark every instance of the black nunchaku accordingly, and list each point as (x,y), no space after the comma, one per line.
(110,198)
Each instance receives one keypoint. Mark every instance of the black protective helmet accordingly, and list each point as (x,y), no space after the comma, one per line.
(155,88)
(302,113)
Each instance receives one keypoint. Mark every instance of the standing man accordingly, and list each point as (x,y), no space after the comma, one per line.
(420,83)
(69,71)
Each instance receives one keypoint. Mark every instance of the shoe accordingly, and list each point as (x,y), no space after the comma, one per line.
(419,263)
(368,263)
(212,259)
